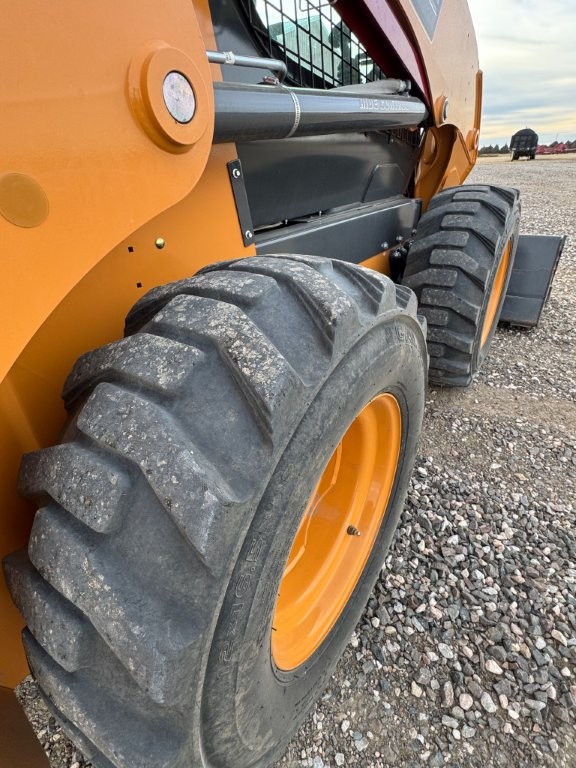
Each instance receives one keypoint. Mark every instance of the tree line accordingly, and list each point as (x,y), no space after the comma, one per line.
(496,149)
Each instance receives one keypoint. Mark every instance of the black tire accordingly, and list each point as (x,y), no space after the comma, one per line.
(169,510)
(452,267)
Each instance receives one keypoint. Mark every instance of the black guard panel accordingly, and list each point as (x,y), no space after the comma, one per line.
(297,177)
(531,280)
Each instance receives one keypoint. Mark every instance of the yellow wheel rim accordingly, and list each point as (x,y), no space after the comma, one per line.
(496,294)
(337,532)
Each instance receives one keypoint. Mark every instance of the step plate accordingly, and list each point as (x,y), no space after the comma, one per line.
(534,267)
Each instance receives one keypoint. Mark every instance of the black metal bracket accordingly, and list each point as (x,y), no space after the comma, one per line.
(241,200)
(353,235)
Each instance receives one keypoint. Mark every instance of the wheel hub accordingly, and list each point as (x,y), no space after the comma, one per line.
(337,532)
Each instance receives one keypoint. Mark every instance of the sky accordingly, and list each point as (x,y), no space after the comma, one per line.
(527,52)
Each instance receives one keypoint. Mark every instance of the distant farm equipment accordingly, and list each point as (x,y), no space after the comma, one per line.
(524,144)
(556,148)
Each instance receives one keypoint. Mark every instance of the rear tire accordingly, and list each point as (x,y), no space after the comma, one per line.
(169,511)
(459,266)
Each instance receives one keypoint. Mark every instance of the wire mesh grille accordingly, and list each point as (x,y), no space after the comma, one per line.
(319,49)
(408,136)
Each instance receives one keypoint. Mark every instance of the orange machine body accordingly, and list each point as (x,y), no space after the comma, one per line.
(103,197)
(93,184)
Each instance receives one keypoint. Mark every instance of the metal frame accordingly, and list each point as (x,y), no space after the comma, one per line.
(353,235)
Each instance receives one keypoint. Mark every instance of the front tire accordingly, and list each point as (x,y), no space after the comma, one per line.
(459,266)
(170,511)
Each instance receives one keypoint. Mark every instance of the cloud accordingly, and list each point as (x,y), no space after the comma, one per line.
(526,52)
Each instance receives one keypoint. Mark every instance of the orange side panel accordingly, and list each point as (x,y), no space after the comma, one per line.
(199,230)
(16,435)
(380,262)
(88,153)
(111,182)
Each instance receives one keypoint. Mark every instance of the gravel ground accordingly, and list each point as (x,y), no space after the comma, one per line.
(466,653)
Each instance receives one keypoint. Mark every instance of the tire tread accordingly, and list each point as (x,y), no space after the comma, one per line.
(129,445)
(449,267)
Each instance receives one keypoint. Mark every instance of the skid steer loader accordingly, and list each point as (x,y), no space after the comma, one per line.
(269,192)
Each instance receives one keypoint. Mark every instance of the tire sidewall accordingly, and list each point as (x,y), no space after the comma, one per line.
(250,709)
(510,235)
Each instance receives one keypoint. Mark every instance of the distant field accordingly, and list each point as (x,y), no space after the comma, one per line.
(570,157)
